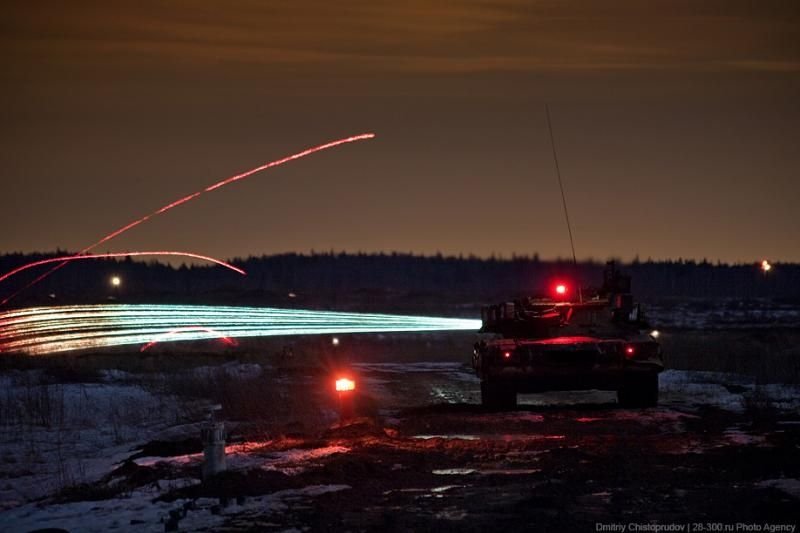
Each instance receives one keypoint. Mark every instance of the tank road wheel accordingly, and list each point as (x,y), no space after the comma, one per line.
(497,396)
(639,391)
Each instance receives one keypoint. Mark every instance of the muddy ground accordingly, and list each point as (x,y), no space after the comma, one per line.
(710,453)
(423,455)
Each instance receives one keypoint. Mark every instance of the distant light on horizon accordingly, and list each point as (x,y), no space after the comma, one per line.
(766,266)
(116,281)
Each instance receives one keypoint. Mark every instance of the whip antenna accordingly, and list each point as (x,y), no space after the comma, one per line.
(561,185)
(563,196)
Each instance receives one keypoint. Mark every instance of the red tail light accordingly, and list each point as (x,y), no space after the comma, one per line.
(641,350)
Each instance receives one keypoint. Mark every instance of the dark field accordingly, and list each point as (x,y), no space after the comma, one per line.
(109,441)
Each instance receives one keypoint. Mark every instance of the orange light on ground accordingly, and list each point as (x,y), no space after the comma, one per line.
(344,384)
(766,266)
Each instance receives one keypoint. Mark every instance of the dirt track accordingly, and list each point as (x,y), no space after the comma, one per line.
(718,450)
(559,461)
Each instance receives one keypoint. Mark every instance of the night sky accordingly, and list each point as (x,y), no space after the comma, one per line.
(677,124)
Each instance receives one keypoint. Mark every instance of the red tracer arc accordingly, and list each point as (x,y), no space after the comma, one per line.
(69,258)
(176,203)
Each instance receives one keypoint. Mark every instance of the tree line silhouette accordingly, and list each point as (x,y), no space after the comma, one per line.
(384,280)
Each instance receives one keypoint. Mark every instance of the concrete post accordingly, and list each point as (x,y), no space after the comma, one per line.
(213,436)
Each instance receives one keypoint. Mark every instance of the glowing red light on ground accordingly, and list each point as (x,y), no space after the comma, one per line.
(345,384)
(629,351)
(67,259)
(194,195)
(227,340)
(561,289)
(507,355)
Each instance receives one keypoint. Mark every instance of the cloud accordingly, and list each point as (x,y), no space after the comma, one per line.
(403,38)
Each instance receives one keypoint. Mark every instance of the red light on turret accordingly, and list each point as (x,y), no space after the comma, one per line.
(560,289)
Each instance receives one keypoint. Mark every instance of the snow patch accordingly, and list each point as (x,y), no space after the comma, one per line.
(141,512)
(247,455)
(784,397)
(85,431)
(790,486)
(738,437)
(682,387)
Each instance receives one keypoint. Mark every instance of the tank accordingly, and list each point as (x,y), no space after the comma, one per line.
(595,339)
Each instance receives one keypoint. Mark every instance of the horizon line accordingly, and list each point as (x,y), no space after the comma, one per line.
(461,256)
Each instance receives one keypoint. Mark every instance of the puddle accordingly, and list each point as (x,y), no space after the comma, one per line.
(514,436)
(458,437)
(503,437)
(452,513)
(454,471)
(411,490)
(529,417)
(509,471)
(525,456)
(445,488)
(435,491)
(486,472)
